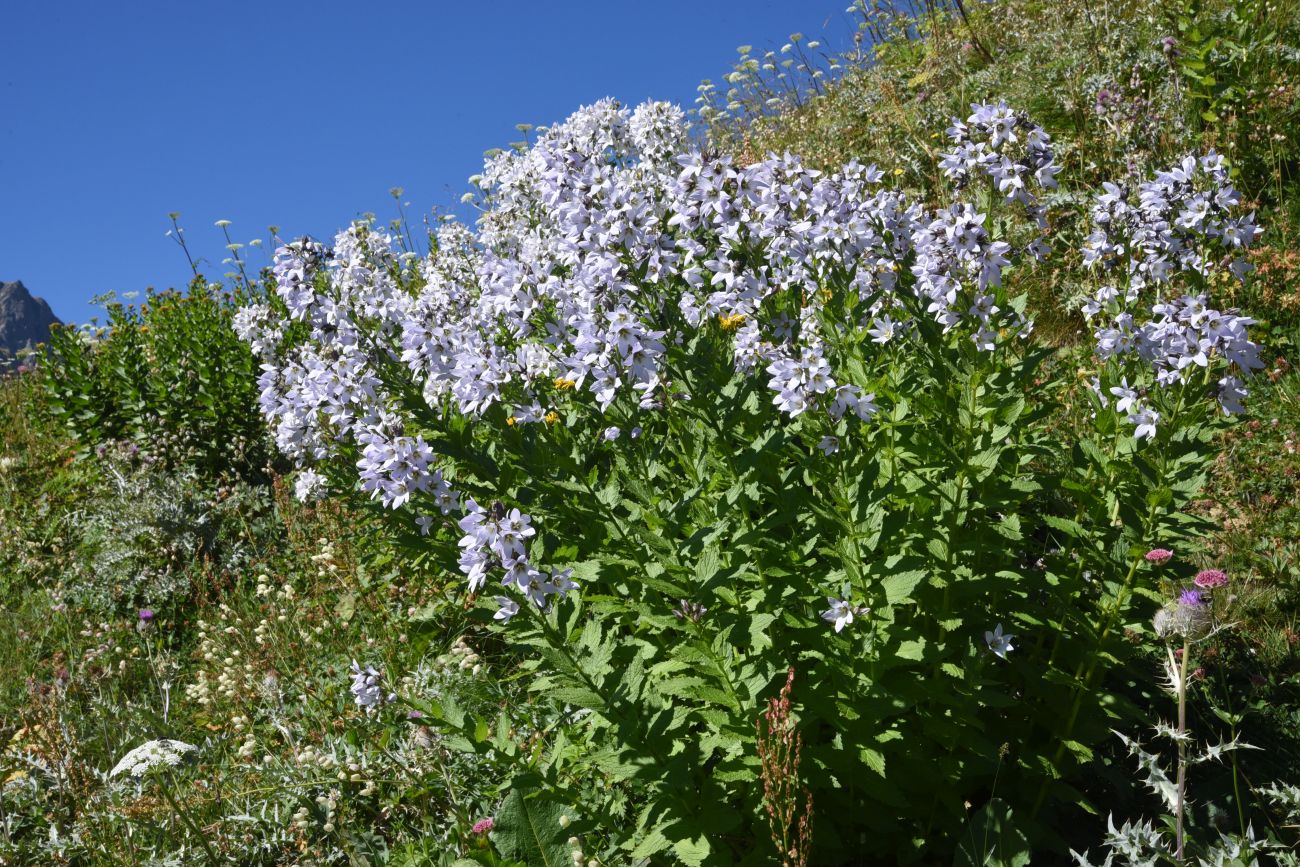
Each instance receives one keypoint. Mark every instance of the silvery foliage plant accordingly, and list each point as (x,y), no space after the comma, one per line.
(684,422)
(1144,843)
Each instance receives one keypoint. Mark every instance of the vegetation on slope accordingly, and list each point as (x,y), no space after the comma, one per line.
(159,579)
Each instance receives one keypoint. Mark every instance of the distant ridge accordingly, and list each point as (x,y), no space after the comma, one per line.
(25,320)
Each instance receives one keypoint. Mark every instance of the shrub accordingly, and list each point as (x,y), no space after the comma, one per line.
(769,417)
(170,375)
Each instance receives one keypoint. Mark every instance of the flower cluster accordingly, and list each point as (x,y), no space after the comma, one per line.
(1009,149)
(368,687)
(495,538)
(599,249)
(1158,556)
(394,468)
(152,754)
(1181,221)
(1180,225)
(1210,579)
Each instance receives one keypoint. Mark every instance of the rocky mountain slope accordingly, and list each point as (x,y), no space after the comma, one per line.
(25,320)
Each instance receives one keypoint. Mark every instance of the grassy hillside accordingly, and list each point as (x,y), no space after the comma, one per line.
(341,696)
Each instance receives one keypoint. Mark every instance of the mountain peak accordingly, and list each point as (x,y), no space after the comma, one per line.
(25,320)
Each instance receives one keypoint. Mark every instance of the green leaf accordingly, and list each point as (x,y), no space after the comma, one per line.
(1066,525)
(707,566)
(345,607)
(760,633)
(898,587)
(914,650)
(650,844)
(873,759)
(692,851)
(528,828)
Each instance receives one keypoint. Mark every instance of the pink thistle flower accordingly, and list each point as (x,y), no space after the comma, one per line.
(1208,579)
(1159,556)
(482,826)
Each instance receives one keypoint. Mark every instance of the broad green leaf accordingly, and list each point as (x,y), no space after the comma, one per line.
(527,827)
(898,587)
(692,851)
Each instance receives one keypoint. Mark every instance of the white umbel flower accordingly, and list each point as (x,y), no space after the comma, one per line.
(152,754)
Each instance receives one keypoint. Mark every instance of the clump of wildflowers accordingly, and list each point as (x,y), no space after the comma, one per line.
(1181,227)
(495,539)
(560,299)
(1006,147)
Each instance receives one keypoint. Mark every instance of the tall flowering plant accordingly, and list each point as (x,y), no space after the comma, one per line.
(682,424)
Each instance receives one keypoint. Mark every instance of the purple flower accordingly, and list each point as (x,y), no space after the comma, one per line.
(146,614)
(414,714)
(1191,599)
(1159,556)
(1208,579)
(367,686)
(482,826)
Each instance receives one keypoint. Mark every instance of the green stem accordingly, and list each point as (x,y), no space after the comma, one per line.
(185,817)
(1083,679)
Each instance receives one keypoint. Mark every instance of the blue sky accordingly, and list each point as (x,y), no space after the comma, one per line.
(304,115)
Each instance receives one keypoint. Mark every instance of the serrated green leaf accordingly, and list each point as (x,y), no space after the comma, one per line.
(873,759)
(898,587)
(692,851)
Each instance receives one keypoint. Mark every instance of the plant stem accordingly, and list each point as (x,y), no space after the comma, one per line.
(1182,747)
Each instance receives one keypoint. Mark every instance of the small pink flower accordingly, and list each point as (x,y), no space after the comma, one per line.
(482,826)
(1159,556)
(1208,579)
